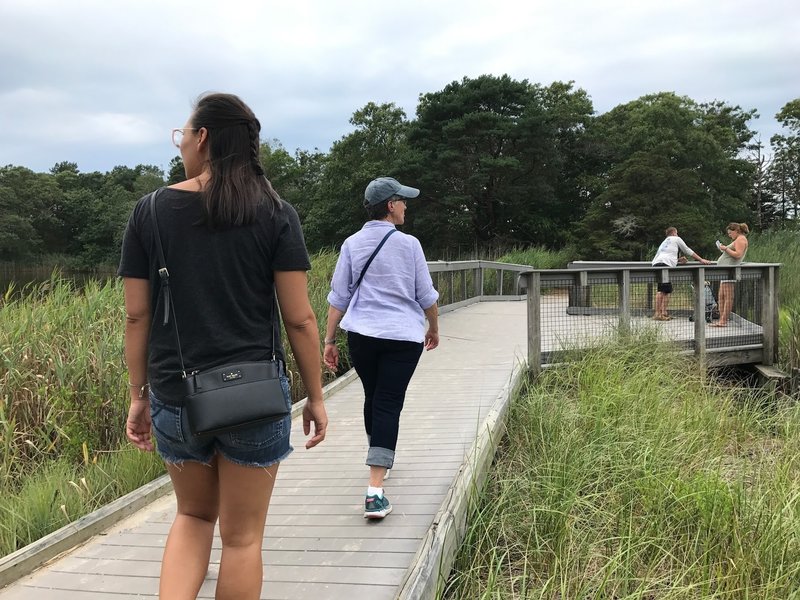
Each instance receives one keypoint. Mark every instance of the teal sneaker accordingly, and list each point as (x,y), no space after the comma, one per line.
(376,507)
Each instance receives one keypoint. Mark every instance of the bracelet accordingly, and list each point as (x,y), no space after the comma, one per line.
(330,342)
(141,388)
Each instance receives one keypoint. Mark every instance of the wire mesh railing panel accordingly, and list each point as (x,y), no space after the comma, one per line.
(744,310)
(461,282)
(574,317)
(583,309)
(454,285)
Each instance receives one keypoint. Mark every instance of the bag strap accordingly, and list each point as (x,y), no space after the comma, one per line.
(163,273)
(166,293)
(369,260)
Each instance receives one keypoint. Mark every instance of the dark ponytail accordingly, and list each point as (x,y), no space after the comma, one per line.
(238,183)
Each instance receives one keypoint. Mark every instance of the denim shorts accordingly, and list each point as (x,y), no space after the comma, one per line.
(258,446)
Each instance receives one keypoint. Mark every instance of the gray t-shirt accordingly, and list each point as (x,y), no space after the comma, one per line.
(221,283)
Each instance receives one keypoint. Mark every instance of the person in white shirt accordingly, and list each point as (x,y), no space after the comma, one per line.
(667,256)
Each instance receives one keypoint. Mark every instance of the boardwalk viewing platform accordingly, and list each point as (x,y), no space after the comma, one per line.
(317,544)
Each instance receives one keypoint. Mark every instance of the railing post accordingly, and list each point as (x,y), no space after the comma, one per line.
(625,301)
(580,297)
(768,316)
(584,292)
(699,281)
(534,322)
(737,296)
(500,282)
(478,282)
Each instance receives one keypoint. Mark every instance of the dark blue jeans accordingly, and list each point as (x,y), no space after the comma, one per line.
(385,368)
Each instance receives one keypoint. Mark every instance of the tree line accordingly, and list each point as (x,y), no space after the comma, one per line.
(499,161)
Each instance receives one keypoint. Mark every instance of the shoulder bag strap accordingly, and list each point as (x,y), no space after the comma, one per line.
(369,260)
(163,273)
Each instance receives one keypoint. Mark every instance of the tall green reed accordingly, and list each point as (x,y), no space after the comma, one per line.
(62,379)
(629,474)
(61,373)
(63,401)
(538,257)
(61,491)
(783,247)
(779,247)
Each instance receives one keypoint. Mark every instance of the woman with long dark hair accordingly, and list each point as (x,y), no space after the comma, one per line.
(231,245)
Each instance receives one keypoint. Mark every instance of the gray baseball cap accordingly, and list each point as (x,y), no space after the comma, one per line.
(383,188)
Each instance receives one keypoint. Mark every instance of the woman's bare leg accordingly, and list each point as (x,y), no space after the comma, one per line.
(659,311)
(245,493)
(188,546)
(725,302)
(376,476)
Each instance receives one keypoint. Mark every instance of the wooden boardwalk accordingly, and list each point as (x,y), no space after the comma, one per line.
(317,543)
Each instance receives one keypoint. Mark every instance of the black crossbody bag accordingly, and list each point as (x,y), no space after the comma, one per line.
(232,396)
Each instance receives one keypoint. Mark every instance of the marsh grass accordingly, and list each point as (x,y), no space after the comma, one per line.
(538,257)
(628,473)
(319,281)
(779,247)
(60,492)
(63,400)
(783,247)
(62,380)
(63,394)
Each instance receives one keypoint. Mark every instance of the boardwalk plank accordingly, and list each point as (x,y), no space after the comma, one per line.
(409,507)
(271,557)
(350,544)
(271,591)
(74,569)
(350,519)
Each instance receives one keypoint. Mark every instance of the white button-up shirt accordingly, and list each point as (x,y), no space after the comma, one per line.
(396,289)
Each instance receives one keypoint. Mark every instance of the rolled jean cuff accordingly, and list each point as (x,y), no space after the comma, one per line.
(380,457)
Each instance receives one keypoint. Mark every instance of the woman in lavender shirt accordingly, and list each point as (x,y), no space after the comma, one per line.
(384,317)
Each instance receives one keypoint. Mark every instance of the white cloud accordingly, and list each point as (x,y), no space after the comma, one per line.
(106,80)
(52,115)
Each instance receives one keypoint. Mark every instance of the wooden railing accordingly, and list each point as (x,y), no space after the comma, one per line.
(465,282)
(623,293)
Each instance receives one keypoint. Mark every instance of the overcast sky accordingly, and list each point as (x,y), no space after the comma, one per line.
(101,83)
